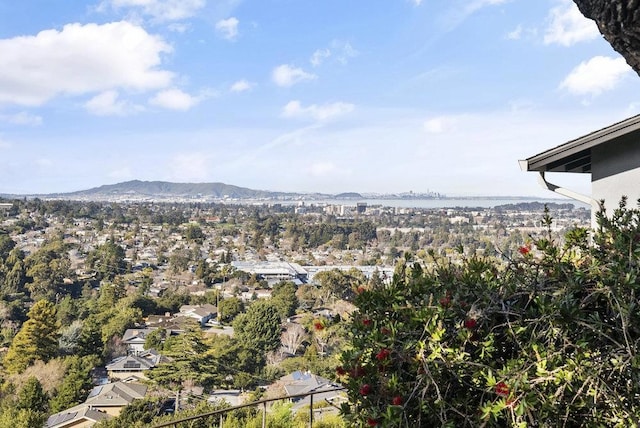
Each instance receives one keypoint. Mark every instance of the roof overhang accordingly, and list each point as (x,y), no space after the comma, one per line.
(575,155)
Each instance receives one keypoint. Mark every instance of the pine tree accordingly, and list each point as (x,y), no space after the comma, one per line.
(259,328)
(32,396)
(36,340)
(76,384)
(190,361)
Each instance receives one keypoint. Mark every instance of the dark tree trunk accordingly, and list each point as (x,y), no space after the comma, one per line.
(619,23)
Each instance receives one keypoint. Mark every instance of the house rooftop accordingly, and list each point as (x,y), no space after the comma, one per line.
(75,416)
(575,155)
(116,394)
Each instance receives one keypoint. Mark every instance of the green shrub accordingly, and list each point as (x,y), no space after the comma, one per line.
(549,338)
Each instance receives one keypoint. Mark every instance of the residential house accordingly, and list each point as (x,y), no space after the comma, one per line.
(165,321)
(103,402)
(201,313)
(135,338)
(611,155)
(112,397)
(133,366)
(77,417)
(300,382)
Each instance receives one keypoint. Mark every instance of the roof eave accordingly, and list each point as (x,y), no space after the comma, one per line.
(574,155)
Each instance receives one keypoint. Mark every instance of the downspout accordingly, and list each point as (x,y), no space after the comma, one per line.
(595,205)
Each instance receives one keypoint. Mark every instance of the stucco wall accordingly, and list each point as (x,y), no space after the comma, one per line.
(615,172)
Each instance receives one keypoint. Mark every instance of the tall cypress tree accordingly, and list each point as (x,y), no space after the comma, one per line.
(36,340)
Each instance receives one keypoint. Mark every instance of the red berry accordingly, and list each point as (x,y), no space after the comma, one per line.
(372,422)
(383,354)
(367,322)
(318,325)
(365,389)
(397,400)
(361,289)
(502,389)
(340,371)
(524,250)
(445,302)
(470,323)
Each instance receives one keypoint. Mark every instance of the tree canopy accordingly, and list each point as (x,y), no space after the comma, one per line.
(259,328)
(618,22)
(36,340)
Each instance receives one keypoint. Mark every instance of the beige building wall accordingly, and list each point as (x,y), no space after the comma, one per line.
(109,410)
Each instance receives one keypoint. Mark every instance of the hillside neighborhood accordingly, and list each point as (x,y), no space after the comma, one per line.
(153,274)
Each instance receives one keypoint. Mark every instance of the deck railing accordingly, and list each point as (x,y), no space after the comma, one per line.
(258,403)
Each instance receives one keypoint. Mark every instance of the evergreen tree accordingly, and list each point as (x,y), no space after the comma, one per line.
(90,341)
(259,328)
(47,268)
(229,308)
(21,418)
(15,279)
(32,396)
(190,361)
(107,260)
(283,297)
(76,384)
(36,340)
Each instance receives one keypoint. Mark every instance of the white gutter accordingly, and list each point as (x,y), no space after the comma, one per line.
(563,191)
(595,205)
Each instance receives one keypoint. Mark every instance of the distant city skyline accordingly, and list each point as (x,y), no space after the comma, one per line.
(383,96)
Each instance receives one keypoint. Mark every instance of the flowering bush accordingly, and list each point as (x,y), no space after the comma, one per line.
(549,338)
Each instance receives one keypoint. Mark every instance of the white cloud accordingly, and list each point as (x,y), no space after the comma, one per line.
(294,109)
(228,28)
(108,103)
(343,51)
(460,10)
(479,4)
(80,59)
(567,26)
(516,34)
(285,75)
(241,86)
(416,2)
(174,99)
(319,56)
(595,76)
(340,50)
(160,10)
(22,118)
(178,27)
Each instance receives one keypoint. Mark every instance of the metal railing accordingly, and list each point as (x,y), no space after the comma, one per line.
(264,403)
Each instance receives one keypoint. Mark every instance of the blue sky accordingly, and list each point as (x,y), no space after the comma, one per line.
(300,95)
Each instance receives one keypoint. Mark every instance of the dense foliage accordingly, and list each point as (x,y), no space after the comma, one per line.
(550,339)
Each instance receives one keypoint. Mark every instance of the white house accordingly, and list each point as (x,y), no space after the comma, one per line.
(611,155)
(201,313)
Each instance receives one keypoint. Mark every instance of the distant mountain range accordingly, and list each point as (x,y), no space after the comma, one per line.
(137,190)
(140,190)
